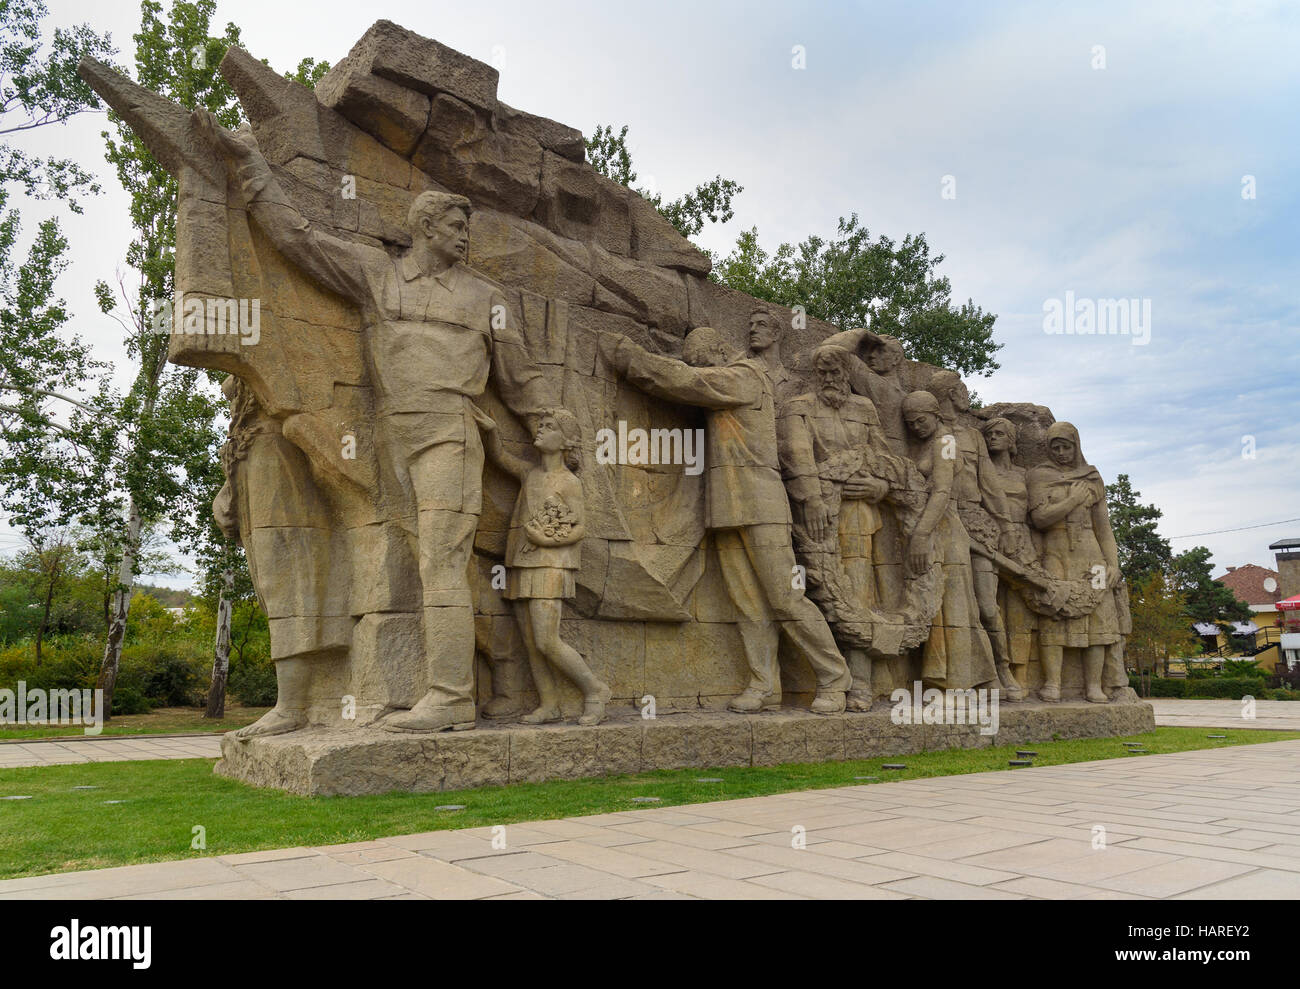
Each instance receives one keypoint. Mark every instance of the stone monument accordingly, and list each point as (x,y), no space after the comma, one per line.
(525,495)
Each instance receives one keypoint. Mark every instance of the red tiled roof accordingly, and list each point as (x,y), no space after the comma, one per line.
(1248,584)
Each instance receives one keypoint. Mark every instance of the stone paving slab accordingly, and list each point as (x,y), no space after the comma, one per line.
(114,748)
(1175,713)
(1171,826)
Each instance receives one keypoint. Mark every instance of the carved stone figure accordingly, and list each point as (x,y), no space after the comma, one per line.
(765,347)
(830,440)
(1067,504)
(957,654)
(979,503)
(1019,620)
(748,513)
(435,269)
(542,555)
(434,330)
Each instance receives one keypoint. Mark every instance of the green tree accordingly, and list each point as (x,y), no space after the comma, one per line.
(1207,599)
(1160,626)
(710,201)
(852,280)
(52,444)
(168,412)
(849,280)
(308,72)
(38,88)
(169,418)
(1142,550)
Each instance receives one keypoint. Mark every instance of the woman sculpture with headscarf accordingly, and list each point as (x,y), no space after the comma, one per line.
(1067,504)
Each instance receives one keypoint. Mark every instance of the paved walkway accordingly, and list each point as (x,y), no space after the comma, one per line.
(1218,823)
(111,748)
(1283,715)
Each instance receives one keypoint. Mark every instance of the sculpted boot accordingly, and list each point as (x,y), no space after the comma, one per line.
(292,677)
(1010,688)
(828,702)
(429,716)
(751,701)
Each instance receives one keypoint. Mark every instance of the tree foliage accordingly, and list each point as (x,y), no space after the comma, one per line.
(1160,627)
(709,201)
(1207,599)
(852,280)
(1142,550)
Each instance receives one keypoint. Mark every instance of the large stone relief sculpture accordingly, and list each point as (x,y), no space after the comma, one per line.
(458,314)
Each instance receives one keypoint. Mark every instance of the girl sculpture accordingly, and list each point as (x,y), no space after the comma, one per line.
(543,551)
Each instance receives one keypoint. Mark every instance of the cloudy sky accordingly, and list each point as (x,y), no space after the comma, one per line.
(1099,151)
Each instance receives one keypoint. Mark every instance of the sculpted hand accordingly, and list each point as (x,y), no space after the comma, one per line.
(1082,493)
(534,533)
(237,146)
(918,554)
(865,487)
(816,519)
(1011,543)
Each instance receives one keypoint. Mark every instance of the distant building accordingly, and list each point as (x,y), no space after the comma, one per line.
(1276,632)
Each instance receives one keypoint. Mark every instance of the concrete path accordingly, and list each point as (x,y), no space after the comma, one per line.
(1221,823)
(111,748)
(1282,715)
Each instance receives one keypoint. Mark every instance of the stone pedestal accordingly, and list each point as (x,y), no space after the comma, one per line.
(329,762)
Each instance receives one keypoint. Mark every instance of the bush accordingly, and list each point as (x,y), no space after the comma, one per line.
(168,674)
(253,684)
(128,700)
(1160,686)
(1243,668)
(1232,687)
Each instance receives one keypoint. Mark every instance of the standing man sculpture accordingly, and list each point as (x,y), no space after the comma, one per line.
(747,508)
(434,330)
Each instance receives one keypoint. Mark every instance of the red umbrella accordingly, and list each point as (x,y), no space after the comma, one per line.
(1290,604)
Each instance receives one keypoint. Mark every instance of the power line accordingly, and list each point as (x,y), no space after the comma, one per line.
(1243,528)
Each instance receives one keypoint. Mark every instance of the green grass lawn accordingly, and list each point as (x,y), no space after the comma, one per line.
(61,829)
(161,721)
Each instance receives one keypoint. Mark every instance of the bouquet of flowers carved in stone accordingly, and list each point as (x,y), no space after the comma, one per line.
(554,520)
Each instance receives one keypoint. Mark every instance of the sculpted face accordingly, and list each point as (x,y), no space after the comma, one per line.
(960,396)
(997,438)
(704,350)
(832,381)
(1062,451)
(448,235)
(921,424)
(548,438)
(762,332)
(882,359)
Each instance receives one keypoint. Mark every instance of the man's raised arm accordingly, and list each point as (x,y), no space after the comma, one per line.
(707,387)
(338,265)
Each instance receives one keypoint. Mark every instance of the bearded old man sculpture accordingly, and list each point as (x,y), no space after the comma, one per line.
(435,267)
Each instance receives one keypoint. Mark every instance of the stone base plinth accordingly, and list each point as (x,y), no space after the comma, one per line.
(332,762)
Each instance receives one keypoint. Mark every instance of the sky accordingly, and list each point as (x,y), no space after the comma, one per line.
(1110,151)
